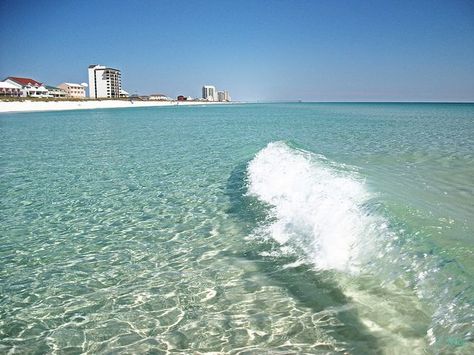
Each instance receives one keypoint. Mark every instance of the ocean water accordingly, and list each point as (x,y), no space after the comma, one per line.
(242,229)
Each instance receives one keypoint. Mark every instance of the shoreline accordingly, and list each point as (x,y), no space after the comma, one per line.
(38,106)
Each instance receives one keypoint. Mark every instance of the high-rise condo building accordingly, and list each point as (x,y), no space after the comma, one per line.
(209,93)
(104,82)
(220,96)
(223,96)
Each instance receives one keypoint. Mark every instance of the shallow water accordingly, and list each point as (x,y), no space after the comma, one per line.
(266,228)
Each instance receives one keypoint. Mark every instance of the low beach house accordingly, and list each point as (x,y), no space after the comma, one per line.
(159,97)
(8,89)
(55,92)
(28,87)
(73,90)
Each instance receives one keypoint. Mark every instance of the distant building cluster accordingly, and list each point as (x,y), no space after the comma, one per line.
(104,83)
(209,93)
(26,87)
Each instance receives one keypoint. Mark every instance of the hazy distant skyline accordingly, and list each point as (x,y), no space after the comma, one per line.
(258,50)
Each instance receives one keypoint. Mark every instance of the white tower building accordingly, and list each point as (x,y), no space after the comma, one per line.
(223,96)
(104,82)
(209,93)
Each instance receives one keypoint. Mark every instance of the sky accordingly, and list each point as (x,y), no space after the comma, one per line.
(258,50)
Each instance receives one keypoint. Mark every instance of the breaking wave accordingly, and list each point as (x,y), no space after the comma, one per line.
(316,207)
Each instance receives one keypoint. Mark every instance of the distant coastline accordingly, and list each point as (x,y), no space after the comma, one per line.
(35,106)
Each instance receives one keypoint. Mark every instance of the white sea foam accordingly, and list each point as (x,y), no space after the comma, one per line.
(316,208)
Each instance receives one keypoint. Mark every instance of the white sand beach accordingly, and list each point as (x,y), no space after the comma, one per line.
(30,106)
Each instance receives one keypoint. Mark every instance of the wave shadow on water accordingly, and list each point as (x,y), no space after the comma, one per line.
(310,289)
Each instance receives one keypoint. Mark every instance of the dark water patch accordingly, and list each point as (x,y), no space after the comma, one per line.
(245,208)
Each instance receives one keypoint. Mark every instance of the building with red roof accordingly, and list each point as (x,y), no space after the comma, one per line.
(28,87)
(24,81)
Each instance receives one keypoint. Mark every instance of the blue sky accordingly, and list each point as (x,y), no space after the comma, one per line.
(258,50)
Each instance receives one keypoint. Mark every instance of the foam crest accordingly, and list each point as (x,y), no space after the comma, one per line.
(317,209)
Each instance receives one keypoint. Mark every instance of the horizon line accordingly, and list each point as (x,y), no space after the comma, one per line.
(355,102)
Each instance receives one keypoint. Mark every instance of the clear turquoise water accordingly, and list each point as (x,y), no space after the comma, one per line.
(257,228)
